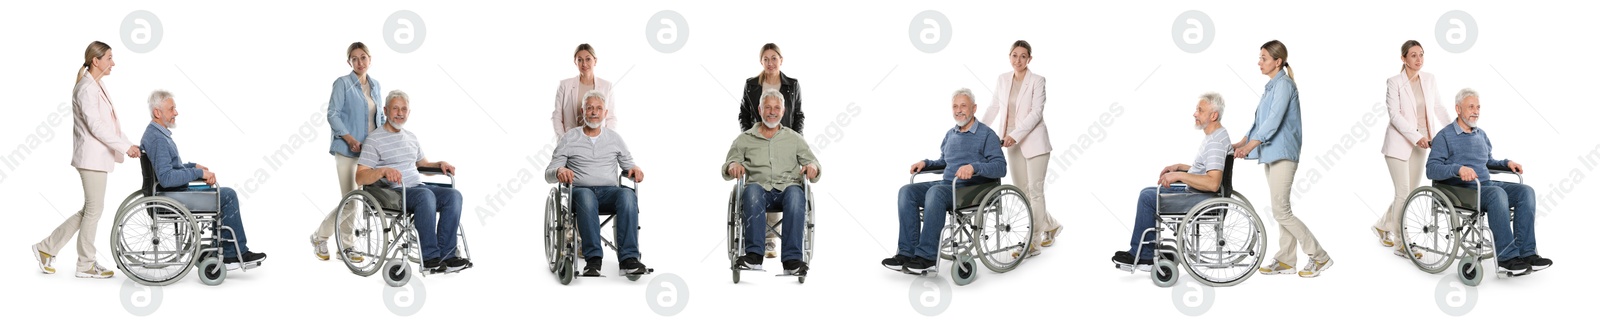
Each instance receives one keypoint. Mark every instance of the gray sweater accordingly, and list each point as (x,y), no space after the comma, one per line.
(594,162)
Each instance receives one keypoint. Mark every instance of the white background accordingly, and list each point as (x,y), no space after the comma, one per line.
(252,79)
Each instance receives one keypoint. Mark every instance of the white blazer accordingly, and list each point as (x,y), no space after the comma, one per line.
(1031,135)
(569,105)
(1403,121)
(97,140)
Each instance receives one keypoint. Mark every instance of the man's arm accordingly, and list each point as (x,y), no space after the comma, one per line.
(1210,182)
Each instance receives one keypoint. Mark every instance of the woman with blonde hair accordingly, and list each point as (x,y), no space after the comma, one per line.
(97,146)
(354,110)
(1274,140)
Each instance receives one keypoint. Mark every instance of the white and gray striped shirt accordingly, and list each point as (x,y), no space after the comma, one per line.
(385,149)
(1213,152)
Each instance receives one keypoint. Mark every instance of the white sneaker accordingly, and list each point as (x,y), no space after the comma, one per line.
(772,248)
(1401,252)
(44,260)
(1383,237)
(319,245)
(97,272)
(1315,268)
(1276,268)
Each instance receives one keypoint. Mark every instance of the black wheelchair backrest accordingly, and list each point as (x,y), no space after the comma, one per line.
(148,170)
(1226,188)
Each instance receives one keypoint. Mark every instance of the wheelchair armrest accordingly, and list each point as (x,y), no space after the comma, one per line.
(1493,172)
(431,171)
(924,172)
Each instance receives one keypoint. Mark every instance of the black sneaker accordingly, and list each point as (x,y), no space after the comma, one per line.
(591,268)
(632,266)
(896,263)
(918,266)
(1537,262)
(433,266)
(794,267)
(1515,266)
(456,264)
(249,259)
(750,261)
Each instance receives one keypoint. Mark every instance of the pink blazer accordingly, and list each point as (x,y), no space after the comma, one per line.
(97,140)
(1403,120)
(1031,135)
(569,105)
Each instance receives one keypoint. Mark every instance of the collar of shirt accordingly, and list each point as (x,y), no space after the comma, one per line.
(756,131)
(163,129)
(972,130)
(1456,126)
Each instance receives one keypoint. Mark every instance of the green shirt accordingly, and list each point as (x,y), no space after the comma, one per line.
(773,163)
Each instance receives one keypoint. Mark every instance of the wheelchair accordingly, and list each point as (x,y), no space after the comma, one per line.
(384,233)
(160,233)
(736,227)
(992,222)
(1217,237)
(1443,224)
(563,247)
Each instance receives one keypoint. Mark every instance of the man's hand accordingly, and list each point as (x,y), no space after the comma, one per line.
(210,178)
(1515,167)
(1467,174)
(917,167)
(965,172)
(810,171)
(564,175)
(1170,177)
(392,175)
(448,168)
(637,174)
(736,170)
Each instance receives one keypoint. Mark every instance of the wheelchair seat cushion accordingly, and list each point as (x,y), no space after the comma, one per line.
(970,196)
(1180,203)
(1463,197)
(196,200)
(387,198)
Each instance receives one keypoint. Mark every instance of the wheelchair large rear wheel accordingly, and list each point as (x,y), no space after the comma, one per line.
(1221,242)
(1428,227)
(155,240)
(369,232)
(552,229)
(1005,225)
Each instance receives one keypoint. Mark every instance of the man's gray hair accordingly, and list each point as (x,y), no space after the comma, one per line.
(1215,100)
(594,94)
(396,94)
(772,93)
(158,98)
(1464,94)
(967,92)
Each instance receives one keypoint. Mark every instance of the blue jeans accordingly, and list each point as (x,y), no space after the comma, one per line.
(437,211)
(756,202)
(932,200)
(1499,199)
(586,204)
(230,218)
(1145,218)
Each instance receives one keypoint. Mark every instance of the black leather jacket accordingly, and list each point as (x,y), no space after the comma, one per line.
(749,107)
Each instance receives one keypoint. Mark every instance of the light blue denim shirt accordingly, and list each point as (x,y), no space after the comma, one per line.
(1277,123)
(347,112)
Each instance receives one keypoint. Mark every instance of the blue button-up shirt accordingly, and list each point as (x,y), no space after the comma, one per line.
(347,112)
(1454,148)
(1277,123)
(978,146)
(170,169)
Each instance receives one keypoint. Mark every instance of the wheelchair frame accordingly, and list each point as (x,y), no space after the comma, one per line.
(562,252)
(1170,251)
(201,230)
(1469,238)
(956,239)
(399,235)
(735,232)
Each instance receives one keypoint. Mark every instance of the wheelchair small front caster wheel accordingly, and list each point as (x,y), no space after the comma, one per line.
(212,271)
(1471,272)
(1165,273)
(964,270)
(396,273)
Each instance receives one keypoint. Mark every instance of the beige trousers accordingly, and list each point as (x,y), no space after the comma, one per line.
(346,167)
(1028,175)
(84,223)
(1407,175)
(1280,182)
